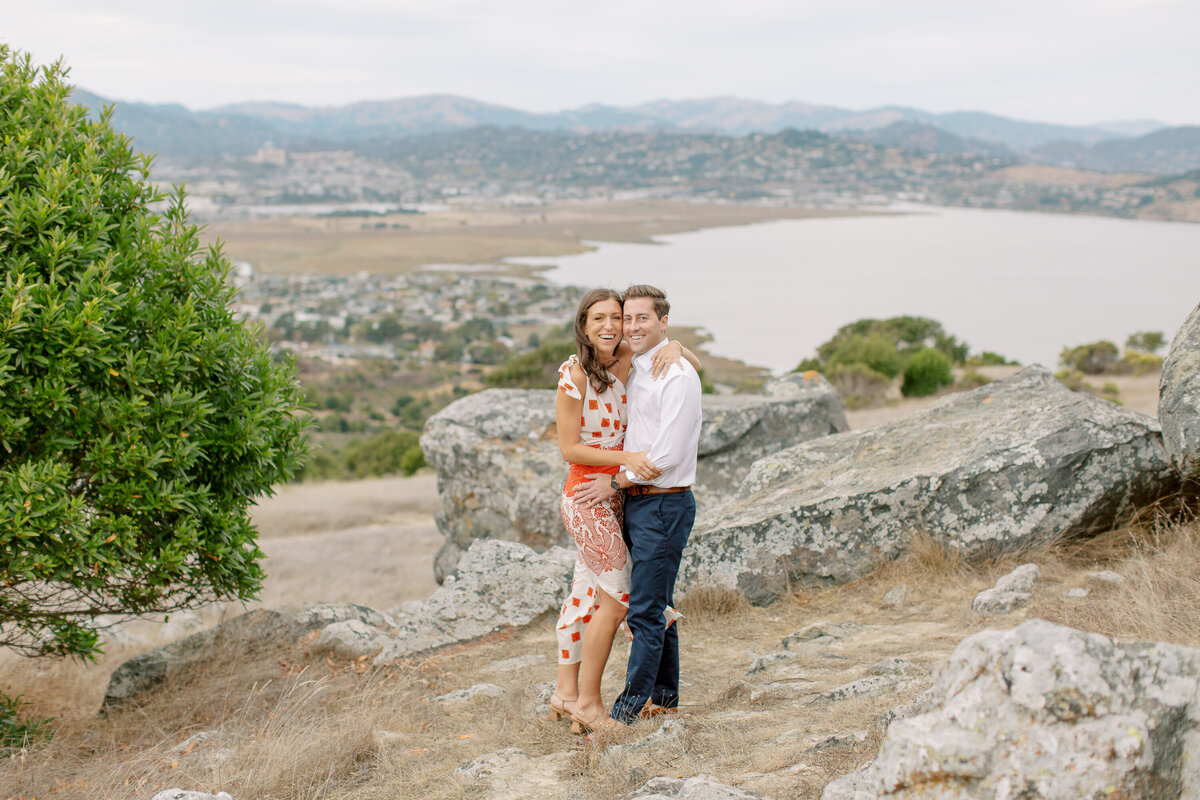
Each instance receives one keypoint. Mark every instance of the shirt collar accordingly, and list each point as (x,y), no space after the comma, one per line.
(646,359)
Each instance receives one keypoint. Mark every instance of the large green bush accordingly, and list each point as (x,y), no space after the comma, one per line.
(138,419)
(1090,359)
(926,371)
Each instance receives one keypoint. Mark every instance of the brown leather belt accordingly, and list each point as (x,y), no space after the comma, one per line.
(637,491)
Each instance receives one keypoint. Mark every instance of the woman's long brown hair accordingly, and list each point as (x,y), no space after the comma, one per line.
(597,374)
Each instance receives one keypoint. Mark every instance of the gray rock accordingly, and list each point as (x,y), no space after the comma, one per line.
(701,787)
(896,596)
(351,639)
(1010,592)
(1021,579)
(180,794)
(1047,711)
(1076,593)
(1017,462)
(1105,576)
(252,632)
(500,472)
(1179,399)
(497,584)
(470,693)
(857,785)
(993,601)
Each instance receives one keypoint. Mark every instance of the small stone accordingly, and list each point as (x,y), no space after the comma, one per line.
(896,596)
(180,794)
(1020,579)
(1076,593)
(993,601)
(350,639)
(1106,576)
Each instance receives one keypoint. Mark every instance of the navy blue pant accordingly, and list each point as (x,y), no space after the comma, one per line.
(656,529)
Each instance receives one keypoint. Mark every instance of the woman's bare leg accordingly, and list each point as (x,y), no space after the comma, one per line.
(597,643)
(566,684)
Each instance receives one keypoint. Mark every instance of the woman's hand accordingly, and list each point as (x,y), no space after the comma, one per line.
(639,465)
(668,354)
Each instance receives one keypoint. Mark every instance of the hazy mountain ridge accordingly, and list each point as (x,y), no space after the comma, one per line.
(243,128)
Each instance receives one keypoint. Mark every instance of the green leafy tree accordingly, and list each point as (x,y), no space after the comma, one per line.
(138,419)
(1145,341)
(1090,359)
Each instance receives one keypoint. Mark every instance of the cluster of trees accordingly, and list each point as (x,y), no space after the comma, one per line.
(1140,356)
(864,357)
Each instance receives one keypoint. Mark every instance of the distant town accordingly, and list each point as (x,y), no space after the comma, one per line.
(530,168)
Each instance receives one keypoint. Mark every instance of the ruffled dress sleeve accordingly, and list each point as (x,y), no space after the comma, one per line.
(566,383)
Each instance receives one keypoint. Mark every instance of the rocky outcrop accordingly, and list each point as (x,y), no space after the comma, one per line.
(1018,461)
(1046,711)
(500,473)
(251,632)
(497,585)
(1179,399)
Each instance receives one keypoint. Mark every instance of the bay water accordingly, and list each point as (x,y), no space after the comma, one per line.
(1020,284)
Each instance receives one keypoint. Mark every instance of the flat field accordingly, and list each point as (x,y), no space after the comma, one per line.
(402,242)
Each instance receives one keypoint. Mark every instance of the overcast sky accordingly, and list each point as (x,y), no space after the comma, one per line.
(1067,61)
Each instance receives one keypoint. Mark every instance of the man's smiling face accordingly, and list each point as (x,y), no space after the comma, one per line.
(643,328)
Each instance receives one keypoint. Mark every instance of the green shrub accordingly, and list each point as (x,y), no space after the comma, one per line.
(1073,380)
(874,350)
(906,334)
(1090,359)
(412,460)
(1145,341)
(1136,362)
(989,359)
(382,454)
(926,371)
(139,420)
(15,732)
(536,370)
(1110,391)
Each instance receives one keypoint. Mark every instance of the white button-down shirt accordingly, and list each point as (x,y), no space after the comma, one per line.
(664,417)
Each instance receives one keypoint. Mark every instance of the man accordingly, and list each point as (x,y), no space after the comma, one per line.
(663,417)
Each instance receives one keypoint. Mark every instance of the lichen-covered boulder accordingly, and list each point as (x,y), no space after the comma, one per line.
(252,632)
(496,585)
(1179,399)
(1046,711)
(500,472)
(1015,462)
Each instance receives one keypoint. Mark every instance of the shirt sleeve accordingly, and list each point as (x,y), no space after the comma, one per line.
(679,412)
(565,383)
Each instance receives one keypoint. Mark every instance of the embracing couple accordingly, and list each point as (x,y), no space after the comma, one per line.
(628,416)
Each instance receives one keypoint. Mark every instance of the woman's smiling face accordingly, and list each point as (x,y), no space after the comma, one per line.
(604,325)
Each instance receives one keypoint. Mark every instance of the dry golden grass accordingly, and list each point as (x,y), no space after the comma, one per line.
(311,245)
(278,722)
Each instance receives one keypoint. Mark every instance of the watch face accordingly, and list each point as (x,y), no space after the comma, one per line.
(613,483)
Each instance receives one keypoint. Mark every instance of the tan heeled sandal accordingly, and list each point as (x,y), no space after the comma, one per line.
(600,722)
(559,711)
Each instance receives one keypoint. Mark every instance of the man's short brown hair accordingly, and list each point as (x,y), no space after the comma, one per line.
(661,306)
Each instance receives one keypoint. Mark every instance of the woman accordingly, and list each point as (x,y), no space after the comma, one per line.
(590,415)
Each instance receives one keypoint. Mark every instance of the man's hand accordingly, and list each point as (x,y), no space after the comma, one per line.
(596,489)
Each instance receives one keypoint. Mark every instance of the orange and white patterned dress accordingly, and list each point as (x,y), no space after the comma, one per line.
(602,560)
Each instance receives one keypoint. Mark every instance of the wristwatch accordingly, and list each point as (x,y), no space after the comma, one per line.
(613,483)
